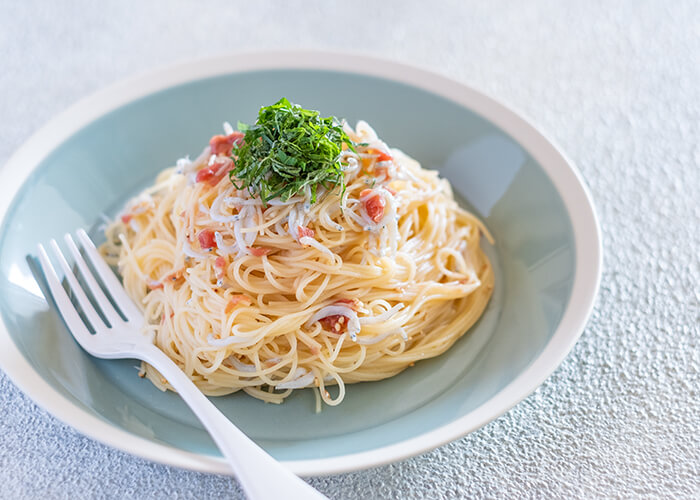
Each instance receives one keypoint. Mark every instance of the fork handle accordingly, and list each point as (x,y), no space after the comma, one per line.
(261,476)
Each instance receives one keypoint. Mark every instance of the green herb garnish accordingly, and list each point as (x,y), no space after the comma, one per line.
(288,149)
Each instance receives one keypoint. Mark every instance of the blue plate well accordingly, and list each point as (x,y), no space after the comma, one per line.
(109,160)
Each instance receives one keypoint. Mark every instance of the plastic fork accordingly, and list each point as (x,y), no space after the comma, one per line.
(260,475)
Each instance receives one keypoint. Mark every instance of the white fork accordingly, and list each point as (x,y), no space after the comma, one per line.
(260,475)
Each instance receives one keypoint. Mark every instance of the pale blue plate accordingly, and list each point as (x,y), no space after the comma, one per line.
(107,156)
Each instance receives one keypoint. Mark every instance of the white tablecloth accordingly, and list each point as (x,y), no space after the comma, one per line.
(617,85)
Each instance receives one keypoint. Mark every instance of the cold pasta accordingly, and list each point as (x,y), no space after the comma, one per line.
(327,264)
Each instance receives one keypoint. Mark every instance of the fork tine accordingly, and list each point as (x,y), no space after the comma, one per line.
(111,282)
(87,307)
(63,303)
(92,285)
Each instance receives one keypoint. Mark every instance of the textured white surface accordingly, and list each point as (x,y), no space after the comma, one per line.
(617,86)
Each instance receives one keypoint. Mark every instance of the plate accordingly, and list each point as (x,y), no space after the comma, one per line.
(104,149)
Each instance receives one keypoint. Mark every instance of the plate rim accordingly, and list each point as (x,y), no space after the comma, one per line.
(561,171)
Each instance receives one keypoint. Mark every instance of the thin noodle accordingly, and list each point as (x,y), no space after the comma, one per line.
(237,316)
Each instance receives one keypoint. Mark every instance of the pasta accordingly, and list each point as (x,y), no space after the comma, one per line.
(323,289)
